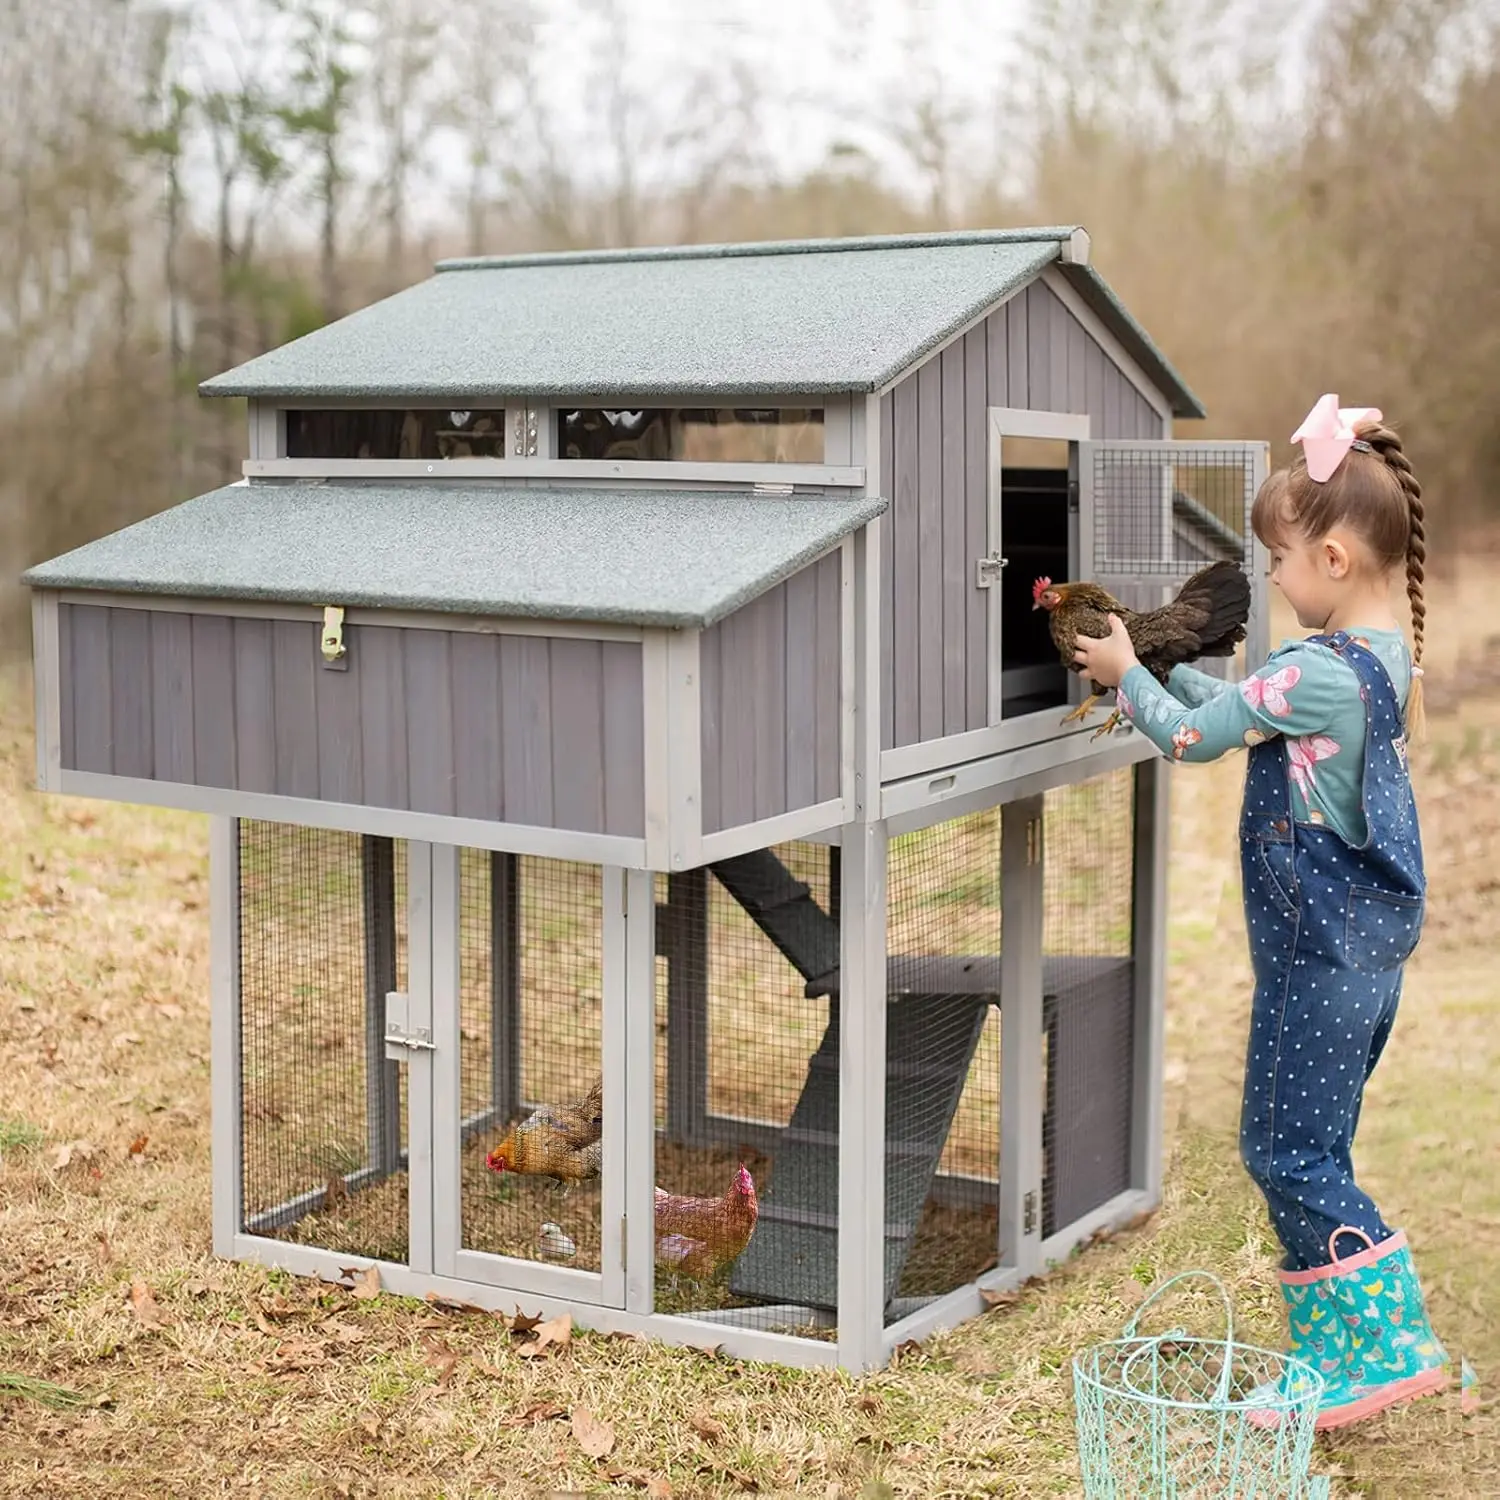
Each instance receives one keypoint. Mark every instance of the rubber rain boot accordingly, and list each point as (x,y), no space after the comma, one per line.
(1317,1336)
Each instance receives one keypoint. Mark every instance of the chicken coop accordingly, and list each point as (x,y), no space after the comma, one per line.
(654,872)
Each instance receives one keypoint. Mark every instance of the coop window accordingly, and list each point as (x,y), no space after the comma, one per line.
(388,434)
(790,435)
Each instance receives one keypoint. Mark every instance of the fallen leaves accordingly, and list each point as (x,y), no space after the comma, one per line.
(554,1334)
(366,1283)
(595,1437)
(65,1155)
(709,1428)
(993,1300)
(536,1413)
(143,1304)
(137,1152)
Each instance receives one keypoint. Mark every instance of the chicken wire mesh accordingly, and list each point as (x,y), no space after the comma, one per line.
(531,1062)
(1088,997)
(322,939)
(747,1092)
(1170,509)
(942,1058)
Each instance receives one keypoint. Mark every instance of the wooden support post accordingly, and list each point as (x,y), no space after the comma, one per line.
(686,932)
(505,986)
(382,1077)
(227,1119)
(1149,946)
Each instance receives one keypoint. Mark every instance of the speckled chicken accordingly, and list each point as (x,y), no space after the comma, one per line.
(1207,618)
(561,1141)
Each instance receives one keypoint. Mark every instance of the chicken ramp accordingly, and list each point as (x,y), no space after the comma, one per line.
(783,908)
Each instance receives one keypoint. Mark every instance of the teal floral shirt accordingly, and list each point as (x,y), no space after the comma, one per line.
(1304,693)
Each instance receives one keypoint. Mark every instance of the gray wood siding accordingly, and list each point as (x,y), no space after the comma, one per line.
(770,685)
(502,728)
(1031,353)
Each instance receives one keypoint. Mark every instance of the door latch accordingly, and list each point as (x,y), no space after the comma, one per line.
(400,1040)
(1028,1212)
(987,570)
(332,646)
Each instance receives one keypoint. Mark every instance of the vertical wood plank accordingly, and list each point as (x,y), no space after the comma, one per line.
(1079,344)
(994,372)
(929,621)
(381,666)
(254,706)
(957,566)
(172,695)
(1058,346)
(768,687)
(1114,418)
(213,701)
(902,529)
(1018,341)
(477,790)
(578,735)
(711,737)
(93,737)
(294,657)
(67,676)
(980,350)
(429,720)
(340,732)
(624,739)
(888,574)
(1038,348)
(804,684)
(737,747)
(828,749)
(526,728)
(131,722)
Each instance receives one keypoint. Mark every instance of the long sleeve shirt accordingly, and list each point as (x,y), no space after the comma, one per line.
(1305,693)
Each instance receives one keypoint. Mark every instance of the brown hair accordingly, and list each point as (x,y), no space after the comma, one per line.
(1377,495)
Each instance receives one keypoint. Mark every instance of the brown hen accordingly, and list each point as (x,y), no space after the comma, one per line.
(561,1141)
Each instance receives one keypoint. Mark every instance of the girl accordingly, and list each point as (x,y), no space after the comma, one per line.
(1334,885)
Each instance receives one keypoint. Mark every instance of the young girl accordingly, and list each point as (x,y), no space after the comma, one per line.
(1334,886)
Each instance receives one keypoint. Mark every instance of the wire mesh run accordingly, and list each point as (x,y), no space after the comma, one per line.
(531,1061)
(322,940)
(942,1059)
(747,1092)
(1171,511)
(1088,1001)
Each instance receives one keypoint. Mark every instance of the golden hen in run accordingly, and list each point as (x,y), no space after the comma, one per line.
(702,1237)
(1207,618)
(561,1141)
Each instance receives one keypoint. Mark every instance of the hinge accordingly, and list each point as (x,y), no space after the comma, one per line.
(1028,1214)
(526,433)
(1033,841)
(1073,496)
(768,488)
(987,570)
(624,1240)
(332,645)
(400,1041)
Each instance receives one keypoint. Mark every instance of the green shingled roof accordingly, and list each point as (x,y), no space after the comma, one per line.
(647,557)
(763,319)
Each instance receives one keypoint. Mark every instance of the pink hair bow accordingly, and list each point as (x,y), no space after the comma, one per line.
(1327,434)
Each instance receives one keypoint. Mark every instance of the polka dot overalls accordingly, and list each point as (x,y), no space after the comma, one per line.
(1331,926)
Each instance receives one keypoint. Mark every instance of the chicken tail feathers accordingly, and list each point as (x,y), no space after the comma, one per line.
(1216,599)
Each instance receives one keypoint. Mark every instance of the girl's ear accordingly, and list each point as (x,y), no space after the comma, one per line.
(1336,558)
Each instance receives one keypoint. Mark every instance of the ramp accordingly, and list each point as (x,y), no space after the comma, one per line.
(783,908)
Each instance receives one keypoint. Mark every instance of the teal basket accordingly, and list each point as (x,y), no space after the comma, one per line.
(1188,1418)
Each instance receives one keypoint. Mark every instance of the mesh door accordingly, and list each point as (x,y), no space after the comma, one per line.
(1088,1001)
(531,987)
(747,1077)
(322,940)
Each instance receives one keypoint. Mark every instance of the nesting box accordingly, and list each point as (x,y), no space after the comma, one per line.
(620,667)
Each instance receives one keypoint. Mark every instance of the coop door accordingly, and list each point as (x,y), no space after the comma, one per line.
(1152,513)
(528,1011)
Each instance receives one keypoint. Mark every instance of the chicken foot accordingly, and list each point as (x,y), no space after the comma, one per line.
(1083,710)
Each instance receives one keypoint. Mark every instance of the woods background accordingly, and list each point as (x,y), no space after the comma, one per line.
(1292,197)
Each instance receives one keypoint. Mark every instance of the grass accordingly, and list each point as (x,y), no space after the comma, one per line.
(204,1378)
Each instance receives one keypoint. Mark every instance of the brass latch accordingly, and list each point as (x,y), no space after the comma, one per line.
(333,638)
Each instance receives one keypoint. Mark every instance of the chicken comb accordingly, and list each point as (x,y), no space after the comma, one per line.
(1039,588)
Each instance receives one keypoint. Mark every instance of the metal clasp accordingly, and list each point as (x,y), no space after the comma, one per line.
(400,1042)
(987,570)
(333,637)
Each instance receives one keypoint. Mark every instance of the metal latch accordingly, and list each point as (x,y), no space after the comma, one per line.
(400,1040)
(987,570)
(333,647)
(1028,1211)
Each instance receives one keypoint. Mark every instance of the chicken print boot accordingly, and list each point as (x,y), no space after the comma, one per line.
(1318,1337)
(1392,1353)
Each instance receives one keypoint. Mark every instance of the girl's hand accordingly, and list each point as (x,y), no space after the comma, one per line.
(1107,660)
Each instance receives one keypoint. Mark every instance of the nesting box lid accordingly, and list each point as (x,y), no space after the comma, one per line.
(675,558)
(805,317)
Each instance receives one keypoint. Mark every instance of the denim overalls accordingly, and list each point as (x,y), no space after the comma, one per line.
(1330,927)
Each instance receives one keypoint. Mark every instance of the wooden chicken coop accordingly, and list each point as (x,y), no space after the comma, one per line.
(621,667)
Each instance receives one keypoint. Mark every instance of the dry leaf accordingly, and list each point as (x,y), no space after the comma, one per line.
(709,1428)
(451,1304)
(147,1313)
(366,1283)
(538,1411)
(999,1299)
(525,1322)
(371,1426)
(442,1359)
(555,1333)
(196,1288)
(868,1403)
(596,1438)
(345,1333)
(1131,1292)
(294,1357)
(653,1484)
(333,1190)
(73,1151)
(138,1146)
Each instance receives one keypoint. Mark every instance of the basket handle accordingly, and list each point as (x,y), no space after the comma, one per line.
(1158,1292)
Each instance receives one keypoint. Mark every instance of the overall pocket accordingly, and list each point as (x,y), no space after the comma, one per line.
(1382,928)
(1278,870)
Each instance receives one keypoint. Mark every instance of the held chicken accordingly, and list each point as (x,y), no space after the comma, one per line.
(1207,618)
(560,1141)
(700,1238)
